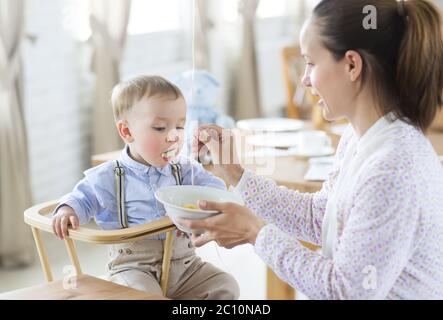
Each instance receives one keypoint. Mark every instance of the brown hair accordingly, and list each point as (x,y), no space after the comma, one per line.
(128,92)
(402,57)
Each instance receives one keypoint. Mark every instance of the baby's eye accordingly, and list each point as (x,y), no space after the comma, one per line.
(180,128)
(159,128)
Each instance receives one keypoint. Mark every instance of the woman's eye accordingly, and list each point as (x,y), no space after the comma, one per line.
(159,129)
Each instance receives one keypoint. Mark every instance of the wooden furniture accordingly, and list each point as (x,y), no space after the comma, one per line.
(40,219)
(437,125)
(436,138)
(83,287)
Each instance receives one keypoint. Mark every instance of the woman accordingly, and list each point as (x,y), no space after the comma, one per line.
(379,216)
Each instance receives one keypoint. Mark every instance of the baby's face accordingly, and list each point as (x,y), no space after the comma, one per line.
(156,126)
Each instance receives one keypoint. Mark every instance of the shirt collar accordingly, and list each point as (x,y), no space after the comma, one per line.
(140,168)
(378,127)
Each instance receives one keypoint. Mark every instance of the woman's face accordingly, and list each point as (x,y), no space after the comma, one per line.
(327,78)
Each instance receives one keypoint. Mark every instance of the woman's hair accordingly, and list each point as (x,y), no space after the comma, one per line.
(129,92)
(402,56)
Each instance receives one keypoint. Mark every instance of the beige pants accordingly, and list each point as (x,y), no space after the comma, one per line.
(138,265)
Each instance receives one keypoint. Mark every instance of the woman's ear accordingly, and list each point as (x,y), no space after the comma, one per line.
(124,131)
(354,65)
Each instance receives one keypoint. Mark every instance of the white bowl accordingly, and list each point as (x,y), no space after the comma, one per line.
(174,198)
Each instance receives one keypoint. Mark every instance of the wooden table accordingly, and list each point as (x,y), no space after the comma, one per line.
(84,287)
(288,172)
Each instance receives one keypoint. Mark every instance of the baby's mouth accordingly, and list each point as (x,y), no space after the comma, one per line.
(170,153)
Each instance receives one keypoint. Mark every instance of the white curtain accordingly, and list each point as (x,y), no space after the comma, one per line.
(109,21)
(298,13)
(16,247)
(203,26)
(246,89)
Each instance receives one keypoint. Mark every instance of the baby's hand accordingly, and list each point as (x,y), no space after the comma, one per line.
(64,217)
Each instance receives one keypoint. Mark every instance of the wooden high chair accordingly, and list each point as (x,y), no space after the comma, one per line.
(39,217)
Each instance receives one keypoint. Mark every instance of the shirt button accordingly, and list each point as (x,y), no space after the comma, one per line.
(120,251)
(128,251)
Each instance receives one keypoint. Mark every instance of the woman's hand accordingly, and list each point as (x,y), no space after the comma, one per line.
(221,145)
(235,225)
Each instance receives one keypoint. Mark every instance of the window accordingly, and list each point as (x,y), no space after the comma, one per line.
(148,16)
(271,8)
(229,10)
(76,19)
(266,9)
(310,4)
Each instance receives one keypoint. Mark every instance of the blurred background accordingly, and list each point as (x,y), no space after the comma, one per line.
(59,59)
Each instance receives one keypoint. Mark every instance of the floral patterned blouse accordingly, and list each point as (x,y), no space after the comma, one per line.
(389,234)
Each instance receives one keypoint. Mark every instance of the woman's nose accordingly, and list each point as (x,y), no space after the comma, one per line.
(306,80)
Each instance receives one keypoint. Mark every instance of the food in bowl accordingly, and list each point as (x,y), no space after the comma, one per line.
(190,206)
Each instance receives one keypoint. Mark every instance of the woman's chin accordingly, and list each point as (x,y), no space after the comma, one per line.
(327,115)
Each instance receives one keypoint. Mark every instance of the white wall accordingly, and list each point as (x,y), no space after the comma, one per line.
(273,34)
(57,130)
(161,53)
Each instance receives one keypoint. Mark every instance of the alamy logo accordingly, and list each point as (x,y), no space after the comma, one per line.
(70,280)
(370,20)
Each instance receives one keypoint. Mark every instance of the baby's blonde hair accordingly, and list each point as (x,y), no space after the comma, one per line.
(127,93)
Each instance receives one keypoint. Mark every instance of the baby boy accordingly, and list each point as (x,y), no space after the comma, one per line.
(150,114)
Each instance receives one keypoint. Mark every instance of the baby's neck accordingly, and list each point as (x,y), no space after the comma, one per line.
(136,157)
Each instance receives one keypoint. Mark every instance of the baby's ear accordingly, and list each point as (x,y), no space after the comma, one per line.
(124,131)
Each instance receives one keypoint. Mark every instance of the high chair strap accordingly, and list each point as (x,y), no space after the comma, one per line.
(177,172)
(119,172)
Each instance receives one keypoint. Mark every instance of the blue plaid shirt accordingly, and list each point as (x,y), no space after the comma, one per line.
(95,196)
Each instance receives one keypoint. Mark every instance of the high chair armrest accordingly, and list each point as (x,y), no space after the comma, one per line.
(37,217)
